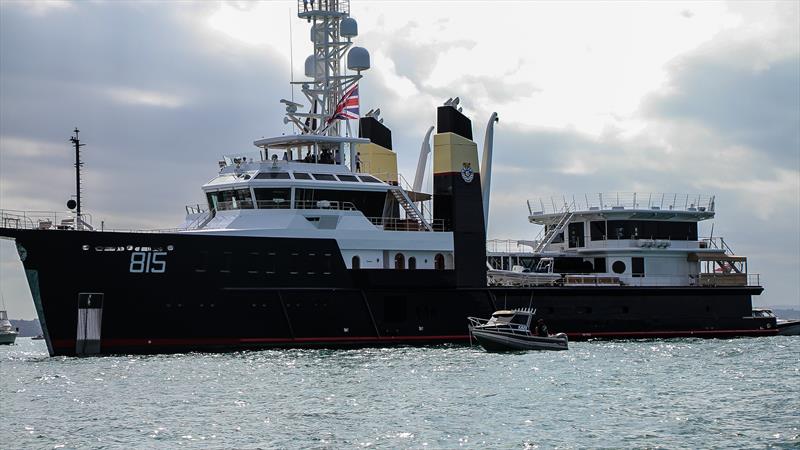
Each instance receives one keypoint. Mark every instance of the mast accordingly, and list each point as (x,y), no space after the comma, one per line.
(78,164)
(332,31)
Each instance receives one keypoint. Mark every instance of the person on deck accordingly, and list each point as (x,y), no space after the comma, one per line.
(541,329)
(358,162)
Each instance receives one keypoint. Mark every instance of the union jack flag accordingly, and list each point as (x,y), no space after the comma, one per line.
(348,106)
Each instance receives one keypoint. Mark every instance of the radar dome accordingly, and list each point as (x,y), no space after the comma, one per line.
(348,27)
(358,59)
(309,66)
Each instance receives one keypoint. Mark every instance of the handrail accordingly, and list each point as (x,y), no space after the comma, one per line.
(401,224)
(621,201)
(12,218)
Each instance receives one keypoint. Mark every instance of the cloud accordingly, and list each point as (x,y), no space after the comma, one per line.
(756,108)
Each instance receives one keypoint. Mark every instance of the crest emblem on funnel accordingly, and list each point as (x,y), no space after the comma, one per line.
(467,173)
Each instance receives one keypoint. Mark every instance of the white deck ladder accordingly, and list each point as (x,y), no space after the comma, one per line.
(411,209)
(553,231)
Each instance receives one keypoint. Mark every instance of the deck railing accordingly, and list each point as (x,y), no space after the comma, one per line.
(621,201)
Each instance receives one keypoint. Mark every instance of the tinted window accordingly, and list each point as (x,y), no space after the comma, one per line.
(301,176)
(369,179)
(651,229)
(598,230)
(348,178)
(637,267)
(369,203)
(273,176)
(278,198)
(324,177)
(576,238)
(618,267)
(234,199)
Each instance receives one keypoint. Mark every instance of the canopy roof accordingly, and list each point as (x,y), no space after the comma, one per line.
(294,140)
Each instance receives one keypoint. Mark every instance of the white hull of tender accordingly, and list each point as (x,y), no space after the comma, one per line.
(494,340)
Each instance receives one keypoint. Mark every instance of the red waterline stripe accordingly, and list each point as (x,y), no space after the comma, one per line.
(68,343)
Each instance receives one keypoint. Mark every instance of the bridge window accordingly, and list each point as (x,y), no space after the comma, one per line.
(438,261)
(412,263)
(273,198)
(324,177)
(231,199)
(356,262)
(272,176)
(348,178)
(399,261)
(301,176)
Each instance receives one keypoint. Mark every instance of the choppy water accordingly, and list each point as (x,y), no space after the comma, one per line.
(741,393)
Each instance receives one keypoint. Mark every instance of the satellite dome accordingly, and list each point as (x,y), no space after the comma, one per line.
(358,59)
(309,66)
(315,30)
(348,27)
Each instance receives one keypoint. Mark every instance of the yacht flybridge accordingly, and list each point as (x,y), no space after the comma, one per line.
(619,239)
(315,239)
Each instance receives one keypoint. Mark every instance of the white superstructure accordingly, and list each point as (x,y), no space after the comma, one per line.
(621,239)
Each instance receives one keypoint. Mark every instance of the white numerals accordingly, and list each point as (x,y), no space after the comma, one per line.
(148,262)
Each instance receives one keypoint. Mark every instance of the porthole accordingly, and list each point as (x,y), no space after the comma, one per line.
(618,267)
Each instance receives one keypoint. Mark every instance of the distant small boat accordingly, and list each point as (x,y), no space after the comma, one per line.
(38,337)
(509,330)
(7,333)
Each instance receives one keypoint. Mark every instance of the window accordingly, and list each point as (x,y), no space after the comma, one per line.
(369,203)
(301,176)
(348,178)
(650,229)
(618,267)
(272,176)
(576,237)
(597,230)
(201,263)
(438,261)
(599,265)
(232,199)
(324,177)
(368,179)
(637,267)
(399,261)
(225,262)
(253,260)
(356,263)
(279,198)
(412,263)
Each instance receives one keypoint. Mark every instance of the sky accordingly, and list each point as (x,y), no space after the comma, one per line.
(696,97)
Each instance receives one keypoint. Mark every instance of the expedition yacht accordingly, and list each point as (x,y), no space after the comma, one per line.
(314,239)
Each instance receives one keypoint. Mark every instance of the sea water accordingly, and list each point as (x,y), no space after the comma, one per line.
(688,393)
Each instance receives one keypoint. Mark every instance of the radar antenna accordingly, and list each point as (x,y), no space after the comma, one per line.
(332,31)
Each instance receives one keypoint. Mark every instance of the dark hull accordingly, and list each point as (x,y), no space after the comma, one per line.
(220,293)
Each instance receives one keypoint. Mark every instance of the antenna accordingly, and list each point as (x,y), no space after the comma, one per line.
(78,164)
(332,34)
